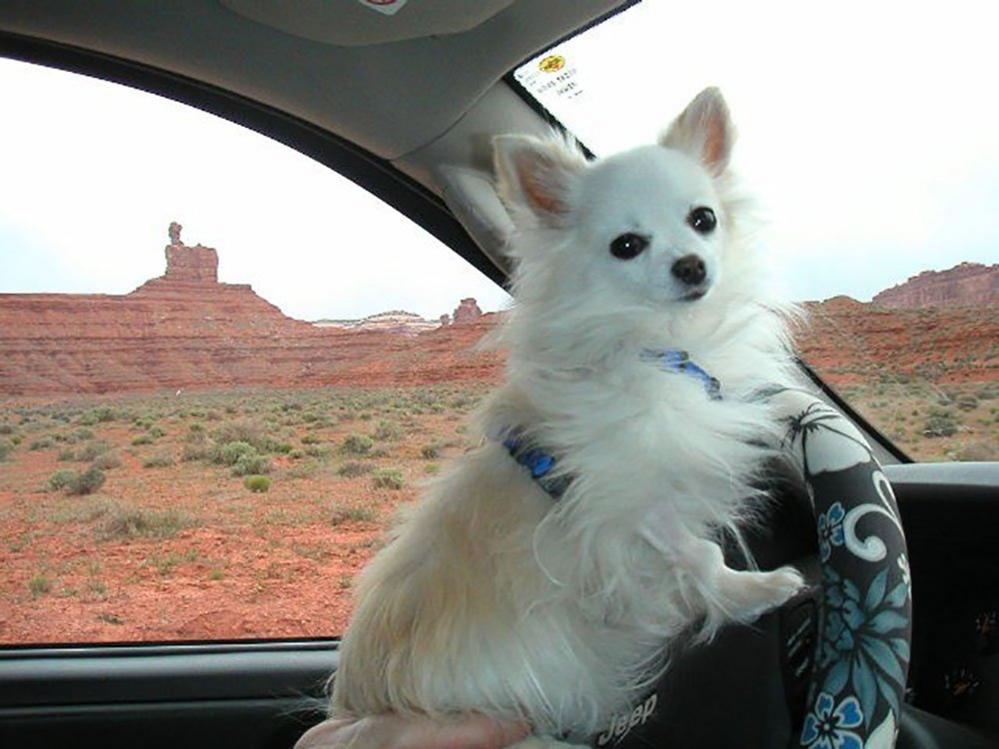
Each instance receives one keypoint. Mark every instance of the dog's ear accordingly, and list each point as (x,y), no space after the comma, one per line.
(536,175)
(703,131)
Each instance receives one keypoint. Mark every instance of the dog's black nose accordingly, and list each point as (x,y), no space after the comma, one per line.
(690,269)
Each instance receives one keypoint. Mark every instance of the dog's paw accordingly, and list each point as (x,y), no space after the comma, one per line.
(764,591)
(784,583)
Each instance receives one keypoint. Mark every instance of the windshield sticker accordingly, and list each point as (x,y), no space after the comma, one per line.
(387,7)
(551,79)
(551,64)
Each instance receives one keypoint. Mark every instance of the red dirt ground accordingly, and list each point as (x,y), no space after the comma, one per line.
(269,565)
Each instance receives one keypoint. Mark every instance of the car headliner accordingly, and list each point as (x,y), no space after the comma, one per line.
(389,98)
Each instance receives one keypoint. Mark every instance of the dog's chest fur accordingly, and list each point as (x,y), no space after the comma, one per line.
(496,597)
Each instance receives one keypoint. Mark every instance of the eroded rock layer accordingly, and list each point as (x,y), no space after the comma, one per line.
(184,330)
(964,285)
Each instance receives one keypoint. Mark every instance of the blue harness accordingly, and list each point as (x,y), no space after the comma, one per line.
(541,463)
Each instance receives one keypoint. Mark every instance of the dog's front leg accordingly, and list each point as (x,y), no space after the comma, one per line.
(721,592)
(734,594)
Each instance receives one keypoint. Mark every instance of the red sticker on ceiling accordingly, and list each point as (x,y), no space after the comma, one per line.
(387,7)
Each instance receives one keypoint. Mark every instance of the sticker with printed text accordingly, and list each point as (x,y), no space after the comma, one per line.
(551,79)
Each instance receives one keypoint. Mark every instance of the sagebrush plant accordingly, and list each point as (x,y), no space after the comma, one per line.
(39,585)
(251,463)
(229,453)
(87,482)
(352,513)
(197,451)
(246,431)
(940,423)
(92,449)
(306,469)
(357,444)
(387,478)
(160,460)
(388,430)
(100,415)
(79,435)
(42,444)
(353,468)
(125,521)
(257,483)
(62,478)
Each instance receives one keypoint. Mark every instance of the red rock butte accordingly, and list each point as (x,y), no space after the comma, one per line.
(851,342)
(184,329)
(964,285)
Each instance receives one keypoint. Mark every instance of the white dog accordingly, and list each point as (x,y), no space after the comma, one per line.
(542,577)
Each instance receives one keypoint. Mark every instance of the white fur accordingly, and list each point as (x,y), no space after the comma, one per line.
(491,597)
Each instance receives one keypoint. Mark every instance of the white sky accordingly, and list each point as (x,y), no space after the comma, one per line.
(92,173)
(870,132)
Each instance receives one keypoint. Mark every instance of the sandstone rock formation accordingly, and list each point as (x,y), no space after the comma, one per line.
(467,311)
(854,342)
(186,330)
(394,321)
(964,285)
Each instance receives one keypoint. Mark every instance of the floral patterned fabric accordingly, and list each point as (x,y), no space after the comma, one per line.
(862,661)
(861,656)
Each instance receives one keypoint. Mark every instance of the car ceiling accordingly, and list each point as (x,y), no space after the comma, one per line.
(392,84)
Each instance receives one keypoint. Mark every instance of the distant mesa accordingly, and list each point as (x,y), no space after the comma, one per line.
(964,285)
(393,321)
(407,323)
(842,302)
(184,329)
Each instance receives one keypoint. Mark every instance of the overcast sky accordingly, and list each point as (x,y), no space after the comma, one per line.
(92,174)
(869,131)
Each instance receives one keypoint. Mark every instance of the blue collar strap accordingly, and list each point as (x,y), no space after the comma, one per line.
(541,463)
(537,461)
(675,360)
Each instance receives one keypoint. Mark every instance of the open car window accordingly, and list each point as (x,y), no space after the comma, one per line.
(876,170)
(223,368)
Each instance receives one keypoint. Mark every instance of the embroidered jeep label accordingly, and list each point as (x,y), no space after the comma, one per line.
(622,724)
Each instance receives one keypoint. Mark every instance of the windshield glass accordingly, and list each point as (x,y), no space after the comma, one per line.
(867,136)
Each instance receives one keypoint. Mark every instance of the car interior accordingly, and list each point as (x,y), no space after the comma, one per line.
(405,105)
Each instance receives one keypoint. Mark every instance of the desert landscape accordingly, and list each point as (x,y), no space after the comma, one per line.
(186,463)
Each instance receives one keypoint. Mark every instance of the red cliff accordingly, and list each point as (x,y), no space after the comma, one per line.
(185,330)
(964,285)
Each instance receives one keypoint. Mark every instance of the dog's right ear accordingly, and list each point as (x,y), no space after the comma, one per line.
(703,131)
(536,177)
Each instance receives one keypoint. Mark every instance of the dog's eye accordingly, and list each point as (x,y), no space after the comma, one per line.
(628,246)
(702,220)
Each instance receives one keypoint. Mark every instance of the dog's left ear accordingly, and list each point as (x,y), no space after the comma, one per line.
(703,131)
(535,178)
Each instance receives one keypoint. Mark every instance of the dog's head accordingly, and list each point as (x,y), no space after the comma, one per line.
(647,226)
